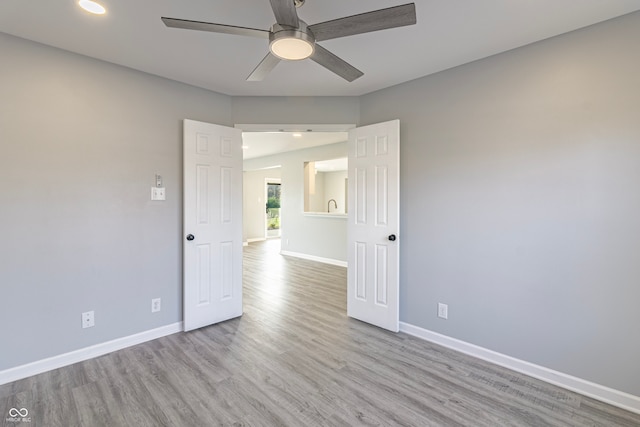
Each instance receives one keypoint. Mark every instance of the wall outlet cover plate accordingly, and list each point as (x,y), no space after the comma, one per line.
(158,193)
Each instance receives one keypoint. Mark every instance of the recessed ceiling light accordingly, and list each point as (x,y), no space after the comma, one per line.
(245,147)
(297,135)
(92,7)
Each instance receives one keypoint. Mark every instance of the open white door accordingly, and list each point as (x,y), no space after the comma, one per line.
(212,224)
(373,255)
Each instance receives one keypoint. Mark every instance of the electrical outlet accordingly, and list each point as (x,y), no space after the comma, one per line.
(88,319)
(156,305)
(158,193)
(443,310)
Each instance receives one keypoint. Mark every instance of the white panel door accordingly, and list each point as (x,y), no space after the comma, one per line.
(373,255)
(212,224)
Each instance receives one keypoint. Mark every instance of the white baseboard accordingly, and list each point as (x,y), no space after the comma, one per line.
(331,261)
(55,362)
(256,239)
(605,394)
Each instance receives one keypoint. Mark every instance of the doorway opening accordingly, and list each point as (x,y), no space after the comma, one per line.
(274,191)
(273,205)
(373,195)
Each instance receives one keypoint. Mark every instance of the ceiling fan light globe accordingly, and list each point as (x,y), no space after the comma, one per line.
(291,48)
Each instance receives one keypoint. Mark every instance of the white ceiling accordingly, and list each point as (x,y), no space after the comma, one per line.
(333,165)
(448,33)
(260,144)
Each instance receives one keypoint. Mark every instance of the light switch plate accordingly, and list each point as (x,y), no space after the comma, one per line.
(443,311)
(158,193)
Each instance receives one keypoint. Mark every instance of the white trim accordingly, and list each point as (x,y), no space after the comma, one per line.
(257,239)
(55,362)
(605,394)
(331,261)
(338,127)
(326,215)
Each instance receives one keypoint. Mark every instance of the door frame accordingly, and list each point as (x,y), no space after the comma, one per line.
(300,127)
(345,127)
(247,127)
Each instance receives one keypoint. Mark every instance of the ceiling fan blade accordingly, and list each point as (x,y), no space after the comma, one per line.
(332,63)
(382,19)
(285,12)
(265,66)
(214,28)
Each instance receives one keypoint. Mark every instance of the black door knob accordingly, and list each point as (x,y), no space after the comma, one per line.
(392,237)
(190,237)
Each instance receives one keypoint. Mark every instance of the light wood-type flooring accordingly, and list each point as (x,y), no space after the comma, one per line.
(295,359)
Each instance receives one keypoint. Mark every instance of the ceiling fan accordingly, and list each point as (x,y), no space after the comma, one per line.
(290,38)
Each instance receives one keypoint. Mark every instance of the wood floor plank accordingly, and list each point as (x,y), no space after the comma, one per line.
(295,359)
(95,407)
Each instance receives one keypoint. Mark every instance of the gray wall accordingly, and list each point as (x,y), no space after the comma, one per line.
(296,110)
(520,201)
(80,144)
(311,235)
